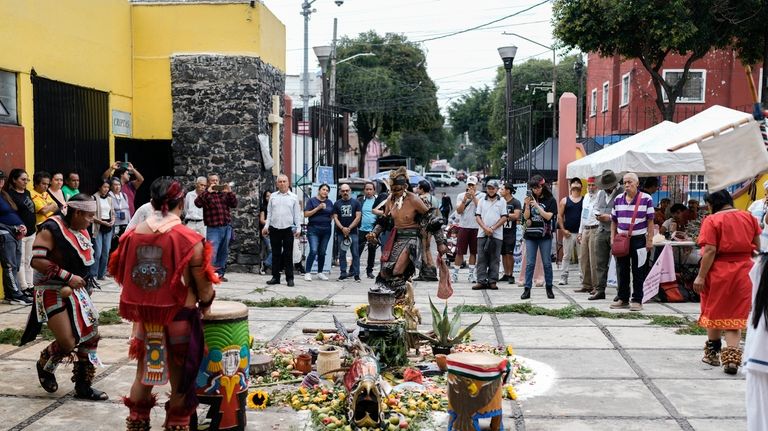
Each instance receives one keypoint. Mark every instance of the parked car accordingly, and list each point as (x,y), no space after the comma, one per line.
(442,179)
(461,176)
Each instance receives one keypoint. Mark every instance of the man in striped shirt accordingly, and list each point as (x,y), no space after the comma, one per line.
(641,237)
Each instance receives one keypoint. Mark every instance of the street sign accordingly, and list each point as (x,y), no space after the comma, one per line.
(325,175)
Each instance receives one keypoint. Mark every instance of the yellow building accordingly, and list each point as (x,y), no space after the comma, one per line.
(177,87)
(112,58)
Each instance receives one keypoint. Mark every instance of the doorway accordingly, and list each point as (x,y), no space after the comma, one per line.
(152,157)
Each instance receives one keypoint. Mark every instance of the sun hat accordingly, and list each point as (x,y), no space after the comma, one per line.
(607,180)
(345,244)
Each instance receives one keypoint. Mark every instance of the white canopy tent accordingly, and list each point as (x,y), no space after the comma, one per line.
(645,154)
(736,136)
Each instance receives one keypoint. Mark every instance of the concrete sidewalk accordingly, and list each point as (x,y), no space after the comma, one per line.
(610,374)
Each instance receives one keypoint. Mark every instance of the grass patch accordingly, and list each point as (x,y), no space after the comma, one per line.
(110,317)
(13,335)
(567,312)
(684,325)
(299,301)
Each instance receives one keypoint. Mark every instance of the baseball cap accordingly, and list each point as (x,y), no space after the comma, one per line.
(493,183)
(472,180)
(345,244)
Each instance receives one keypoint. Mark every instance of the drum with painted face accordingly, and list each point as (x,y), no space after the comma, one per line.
(475,383)
(222,381)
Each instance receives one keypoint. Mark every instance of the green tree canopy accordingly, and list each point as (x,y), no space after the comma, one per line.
(646,30)
(389,92)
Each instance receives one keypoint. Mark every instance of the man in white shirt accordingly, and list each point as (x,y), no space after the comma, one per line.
(193,215)
(491,214)
(283,224)
(466,206)
(587,228)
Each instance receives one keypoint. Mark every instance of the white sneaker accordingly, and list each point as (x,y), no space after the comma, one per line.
(454,277)
(471,277)
(308,277)
(562,282)
(322,276)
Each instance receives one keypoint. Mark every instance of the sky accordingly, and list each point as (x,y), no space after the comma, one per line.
(455,63)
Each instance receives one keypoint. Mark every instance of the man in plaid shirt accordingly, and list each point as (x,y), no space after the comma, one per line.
(216,202)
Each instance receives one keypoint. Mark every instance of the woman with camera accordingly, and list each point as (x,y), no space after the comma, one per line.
(539,212)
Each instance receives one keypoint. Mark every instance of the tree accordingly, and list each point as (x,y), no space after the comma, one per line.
(388,92)
(646,30)
(748,18)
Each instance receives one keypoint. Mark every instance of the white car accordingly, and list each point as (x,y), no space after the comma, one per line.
(442,179)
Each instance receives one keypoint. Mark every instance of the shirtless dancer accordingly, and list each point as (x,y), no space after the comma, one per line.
(402,252)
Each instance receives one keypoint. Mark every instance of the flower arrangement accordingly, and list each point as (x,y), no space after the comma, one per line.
(258,400)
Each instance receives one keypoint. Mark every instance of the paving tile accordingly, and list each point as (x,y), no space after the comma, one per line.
(15,410)
(586,363)
(655,337)
(556,337)
(677,364)
(595,398)
(76,414)
(718,424)
(705,398)
(607,424)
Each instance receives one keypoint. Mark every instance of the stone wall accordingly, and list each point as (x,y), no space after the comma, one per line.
(220,106)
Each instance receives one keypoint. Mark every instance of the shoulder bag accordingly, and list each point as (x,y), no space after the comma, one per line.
(620,246)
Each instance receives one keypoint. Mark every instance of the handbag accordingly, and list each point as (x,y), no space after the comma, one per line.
(620,246)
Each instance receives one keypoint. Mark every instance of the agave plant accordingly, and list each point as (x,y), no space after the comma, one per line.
(447,331)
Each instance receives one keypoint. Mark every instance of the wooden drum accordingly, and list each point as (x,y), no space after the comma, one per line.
(475,383)
(222,381)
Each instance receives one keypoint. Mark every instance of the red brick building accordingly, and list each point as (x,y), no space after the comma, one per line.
(620,98)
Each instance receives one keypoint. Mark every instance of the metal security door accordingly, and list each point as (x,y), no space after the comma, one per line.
(71,130)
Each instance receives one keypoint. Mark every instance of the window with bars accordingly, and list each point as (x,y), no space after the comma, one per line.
(593,103)
(694,88)
(696,183)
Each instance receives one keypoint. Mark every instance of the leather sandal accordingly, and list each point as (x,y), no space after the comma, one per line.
(47,379)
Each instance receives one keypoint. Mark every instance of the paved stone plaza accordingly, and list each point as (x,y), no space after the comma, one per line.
(610,374)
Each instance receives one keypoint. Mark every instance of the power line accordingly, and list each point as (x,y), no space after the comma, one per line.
(482,25)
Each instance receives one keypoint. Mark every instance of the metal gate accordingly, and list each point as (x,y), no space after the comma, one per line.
(71,130)
(534,151)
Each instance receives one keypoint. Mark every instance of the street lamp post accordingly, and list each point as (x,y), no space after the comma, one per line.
(507,54)
(578,68)
(554,78)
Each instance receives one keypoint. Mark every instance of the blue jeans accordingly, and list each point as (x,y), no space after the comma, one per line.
(219,237)
(318,242)
(267,250)
(543,246)
(102,241)
(354,249)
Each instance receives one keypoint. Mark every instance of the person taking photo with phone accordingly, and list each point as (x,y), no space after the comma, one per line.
(130,178)
(216,202)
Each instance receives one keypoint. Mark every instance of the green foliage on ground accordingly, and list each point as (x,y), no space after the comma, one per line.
(13,335)
(110,317)
(299,301)
(684,325)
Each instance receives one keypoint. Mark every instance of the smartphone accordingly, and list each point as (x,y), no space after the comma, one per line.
(529,193)
(219,187)
(124,165)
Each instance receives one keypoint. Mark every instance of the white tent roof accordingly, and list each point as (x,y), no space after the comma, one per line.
(646,153)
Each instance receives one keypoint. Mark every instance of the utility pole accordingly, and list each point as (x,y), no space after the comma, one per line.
(332,105)
(306,11)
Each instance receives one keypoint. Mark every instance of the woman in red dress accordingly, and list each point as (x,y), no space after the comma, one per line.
(728,239)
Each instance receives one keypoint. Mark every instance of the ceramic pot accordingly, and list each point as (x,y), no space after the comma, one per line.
(380,306)
(303,363)
(442,361)
(328,359)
